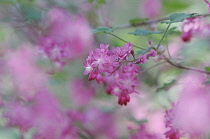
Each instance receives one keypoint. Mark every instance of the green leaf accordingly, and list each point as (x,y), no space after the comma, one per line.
(207,69)
(136,21)
(7,2)
(175,5)
(179,17)
(171,31)
(97,2)
(140,52)
(138,121)
(166,86)
(103,30)
(144,32)
(5,19)
(31,14)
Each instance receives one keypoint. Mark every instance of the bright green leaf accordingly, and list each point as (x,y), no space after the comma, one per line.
(136,21)
(98,1)
(179,17)
(7,2)
(175,5)
(166,86)
(207,69)
(144,32)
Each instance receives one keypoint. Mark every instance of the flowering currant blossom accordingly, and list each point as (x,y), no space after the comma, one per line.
(66,37)
(194,26)
(114,68)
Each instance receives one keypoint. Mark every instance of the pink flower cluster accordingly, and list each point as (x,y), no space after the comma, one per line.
(43,114)
(66,37)
(194,27)
(208,5)
(81,93)
(114,68)
(22,67)
(154,9)
(191,114)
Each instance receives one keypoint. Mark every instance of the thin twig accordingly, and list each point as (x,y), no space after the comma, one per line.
(163,36)
(151,22)
(142,23)
(126,41)
(153,66)
(167,47)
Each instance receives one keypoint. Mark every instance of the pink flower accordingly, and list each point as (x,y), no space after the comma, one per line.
(27,77)
(208,5)
(18,115)
(105,125)
(43,114)
(192,111)
(142,59)
(105,65)
(154,9)
(194,27)
(68,37)
(81,93)
(145,57)
(142,132)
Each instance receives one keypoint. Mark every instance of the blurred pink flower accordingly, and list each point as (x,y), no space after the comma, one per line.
(208,5)
(191,114)
(81,93)
(150,8)
(100,124)
(43,114)
(27,77)
(66,37)
(143,133)
(194,27)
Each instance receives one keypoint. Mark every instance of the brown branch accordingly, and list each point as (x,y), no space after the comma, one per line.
(186,68)
(144,23)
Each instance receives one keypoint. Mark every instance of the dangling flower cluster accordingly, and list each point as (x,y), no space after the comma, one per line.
(66,37)
(194,26)
(208,5)
(114,68)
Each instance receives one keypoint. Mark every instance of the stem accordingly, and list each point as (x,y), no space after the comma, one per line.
(163,35)
(153,66)
(146,50)
(126,41)
(152,21)
(142,23)
(167,47)
(186,68)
